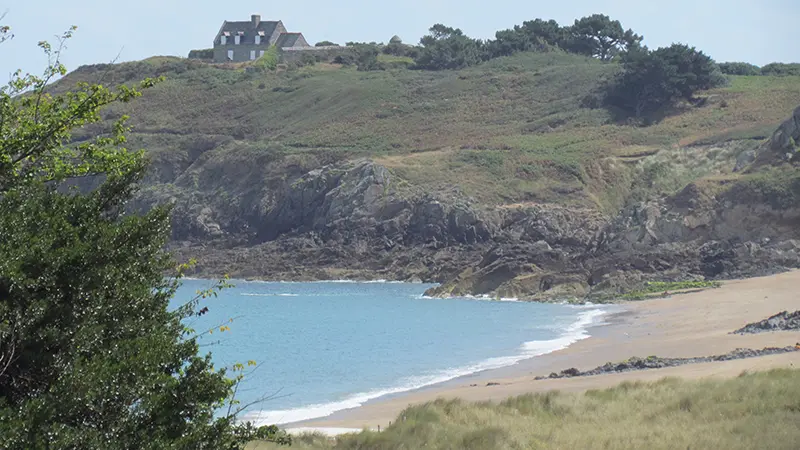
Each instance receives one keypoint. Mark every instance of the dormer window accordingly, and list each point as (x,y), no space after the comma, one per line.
(224,38)
(259,36)
(238,38)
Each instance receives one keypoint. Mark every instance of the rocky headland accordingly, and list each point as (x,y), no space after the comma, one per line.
(358,220)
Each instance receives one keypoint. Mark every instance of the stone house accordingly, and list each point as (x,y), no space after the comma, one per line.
(248,40)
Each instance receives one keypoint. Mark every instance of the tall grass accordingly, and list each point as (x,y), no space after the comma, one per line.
(760,410)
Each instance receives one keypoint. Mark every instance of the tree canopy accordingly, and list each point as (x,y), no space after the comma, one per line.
(91,355)
(447,48)
(600,37)
(596,36)
(739,68)
(652,80)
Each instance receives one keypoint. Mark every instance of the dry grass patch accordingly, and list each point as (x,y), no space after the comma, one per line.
(760,410)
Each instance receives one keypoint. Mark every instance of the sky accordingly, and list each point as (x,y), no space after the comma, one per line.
(756,31)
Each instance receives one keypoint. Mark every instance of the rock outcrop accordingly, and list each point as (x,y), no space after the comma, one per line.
(351,220)
(655,362)
(787,136)
(295,219)
(783,321)
(687,236)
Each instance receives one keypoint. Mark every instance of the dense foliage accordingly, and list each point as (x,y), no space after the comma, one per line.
(367,57)
(91,356)
(781,69)
(600,37)
(739,68)
(652,80)
(269,60)
(448,48)
(205,54)
(772,69)
(595,36)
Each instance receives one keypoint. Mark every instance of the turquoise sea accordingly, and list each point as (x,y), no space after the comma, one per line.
(328,346)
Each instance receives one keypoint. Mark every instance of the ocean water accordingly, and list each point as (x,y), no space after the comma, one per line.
(329,346)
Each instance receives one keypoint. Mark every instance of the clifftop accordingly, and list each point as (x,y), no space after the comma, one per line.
(327,172)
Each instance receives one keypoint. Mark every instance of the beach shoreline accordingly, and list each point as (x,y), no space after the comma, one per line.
(686,325)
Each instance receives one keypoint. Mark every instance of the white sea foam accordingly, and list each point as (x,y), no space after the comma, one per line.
(482,298)
(573,333)
(254,294)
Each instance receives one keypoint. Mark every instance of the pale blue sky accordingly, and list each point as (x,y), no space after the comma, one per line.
(757,31)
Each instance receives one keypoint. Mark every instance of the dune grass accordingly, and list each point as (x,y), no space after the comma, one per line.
(755,410)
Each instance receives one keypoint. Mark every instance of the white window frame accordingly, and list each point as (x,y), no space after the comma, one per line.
(252,55)
(258,40)
(223,40)
(230,55)
(237,40)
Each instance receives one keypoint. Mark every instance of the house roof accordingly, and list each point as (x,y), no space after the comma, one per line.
(268,27)
(288,39)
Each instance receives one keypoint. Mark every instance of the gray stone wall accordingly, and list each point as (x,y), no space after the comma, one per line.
(241,53)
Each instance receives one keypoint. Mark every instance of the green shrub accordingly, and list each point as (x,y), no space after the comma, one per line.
(739,68)
(653,80)
(781,69)
(269,61)
(206,53)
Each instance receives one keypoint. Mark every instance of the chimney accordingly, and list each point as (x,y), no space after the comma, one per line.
(256,19)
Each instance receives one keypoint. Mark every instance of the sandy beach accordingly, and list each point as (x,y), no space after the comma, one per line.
(684,325)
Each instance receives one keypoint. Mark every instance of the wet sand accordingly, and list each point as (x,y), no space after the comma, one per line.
(685,325)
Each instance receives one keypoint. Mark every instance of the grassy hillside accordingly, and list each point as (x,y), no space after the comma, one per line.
(752,411)
(511,130)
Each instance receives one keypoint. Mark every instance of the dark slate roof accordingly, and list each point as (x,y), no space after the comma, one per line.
(288,39)
(267,27)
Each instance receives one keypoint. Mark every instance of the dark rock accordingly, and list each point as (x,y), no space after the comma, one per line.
(654,362)
(788,132)
(779,322)
(266,216)
(572,372)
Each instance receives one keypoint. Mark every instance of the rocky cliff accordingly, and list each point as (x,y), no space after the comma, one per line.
(712,229)
(357,219)
(345,220)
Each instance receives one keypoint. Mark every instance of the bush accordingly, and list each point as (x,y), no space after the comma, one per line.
(269,61)
(345,59)
(781,69)
(739,68)
(652,80)
(326,44)
(367,57)
(308,59)
(448,48)
(206,53)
